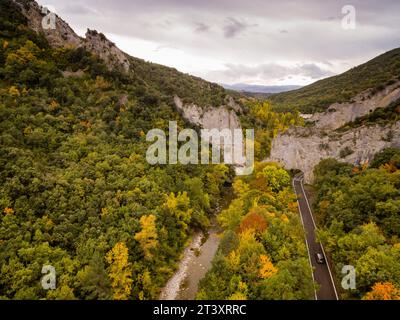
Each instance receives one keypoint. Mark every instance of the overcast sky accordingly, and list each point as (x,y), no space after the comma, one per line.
(236,41)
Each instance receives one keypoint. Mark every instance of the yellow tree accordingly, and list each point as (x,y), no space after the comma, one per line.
(147,237)
(240,293)
(240,188)
(119,271)
(8,211)
(267,268)
(233,260)
(179,206)
(383,291)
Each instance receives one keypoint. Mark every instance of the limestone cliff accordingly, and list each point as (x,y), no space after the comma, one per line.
(304,147)
(62,35)
(99,45)
(217,117)
(339,114)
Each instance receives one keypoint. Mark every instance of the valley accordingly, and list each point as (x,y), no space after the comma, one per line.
(78,192)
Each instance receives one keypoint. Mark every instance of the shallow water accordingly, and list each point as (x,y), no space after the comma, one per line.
(196,261)
(198,267)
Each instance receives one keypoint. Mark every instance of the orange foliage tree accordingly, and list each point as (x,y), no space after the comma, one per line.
(383,291)
(253,221)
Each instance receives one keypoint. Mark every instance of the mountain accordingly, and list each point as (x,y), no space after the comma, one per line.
(77,192)
(78,196)
(373,75)
(182,91)
(167,81)
(252,88)
(351,132)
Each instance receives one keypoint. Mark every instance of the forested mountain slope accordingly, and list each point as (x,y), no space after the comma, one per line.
(76,190)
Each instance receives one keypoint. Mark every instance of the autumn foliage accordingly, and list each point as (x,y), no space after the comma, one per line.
(148,236)
(120,271)
(253,221)
(262,254)
(267,269)
(383,291)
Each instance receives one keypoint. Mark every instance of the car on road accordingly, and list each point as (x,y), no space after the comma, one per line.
(319,257)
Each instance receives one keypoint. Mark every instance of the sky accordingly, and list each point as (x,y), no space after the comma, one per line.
(264,42)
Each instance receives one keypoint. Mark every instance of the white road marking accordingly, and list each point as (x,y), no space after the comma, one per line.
(315,227)
(305,238)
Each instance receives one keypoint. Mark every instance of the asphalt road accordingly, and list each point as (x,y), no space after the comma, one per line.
(321,272)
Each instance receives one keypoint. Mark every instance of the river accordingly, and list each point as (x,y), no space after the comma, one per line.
(196,261)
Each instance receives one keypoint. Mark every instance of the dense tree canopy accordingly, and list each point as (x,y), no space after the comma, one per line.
(359,208)
(262,254)
(76,190)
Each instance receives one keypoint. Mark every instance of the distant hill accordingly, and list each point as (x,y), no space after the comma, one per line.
(374,74)
(253,88)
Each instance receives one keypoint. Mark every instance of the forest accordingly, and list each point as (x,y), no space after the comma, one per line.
(76,191)
(262,254)
(358,210)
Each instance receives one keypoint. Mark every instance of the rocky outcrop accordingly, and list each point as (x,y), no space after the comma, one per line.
(304,147)
(221,117)
(62,35)
(99,45)
(338,114)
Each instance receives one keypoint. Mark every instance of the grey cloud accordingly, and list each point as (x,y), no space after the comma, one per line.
(78,9)
(165,46)
(165,24)
(270,72)
(233,27)
(201,27)
(281,30)
(313,71)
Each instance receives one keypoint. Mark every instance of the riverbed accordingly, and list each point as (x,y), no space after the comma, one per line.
(196,261)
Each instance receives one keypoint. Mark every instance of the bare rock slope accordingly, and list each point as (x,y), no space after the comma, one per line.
(221,117)
(338,114)
(62,35)
(304,147)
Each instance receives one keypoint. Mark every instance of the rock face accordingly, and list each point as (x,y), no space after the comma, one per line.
(304,147)
(63,36)
(60,36)
(99,45)
(222,117)
(339,114)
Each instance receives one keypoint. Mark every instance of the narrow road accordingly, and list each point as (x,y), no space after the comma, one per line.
(321,272)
